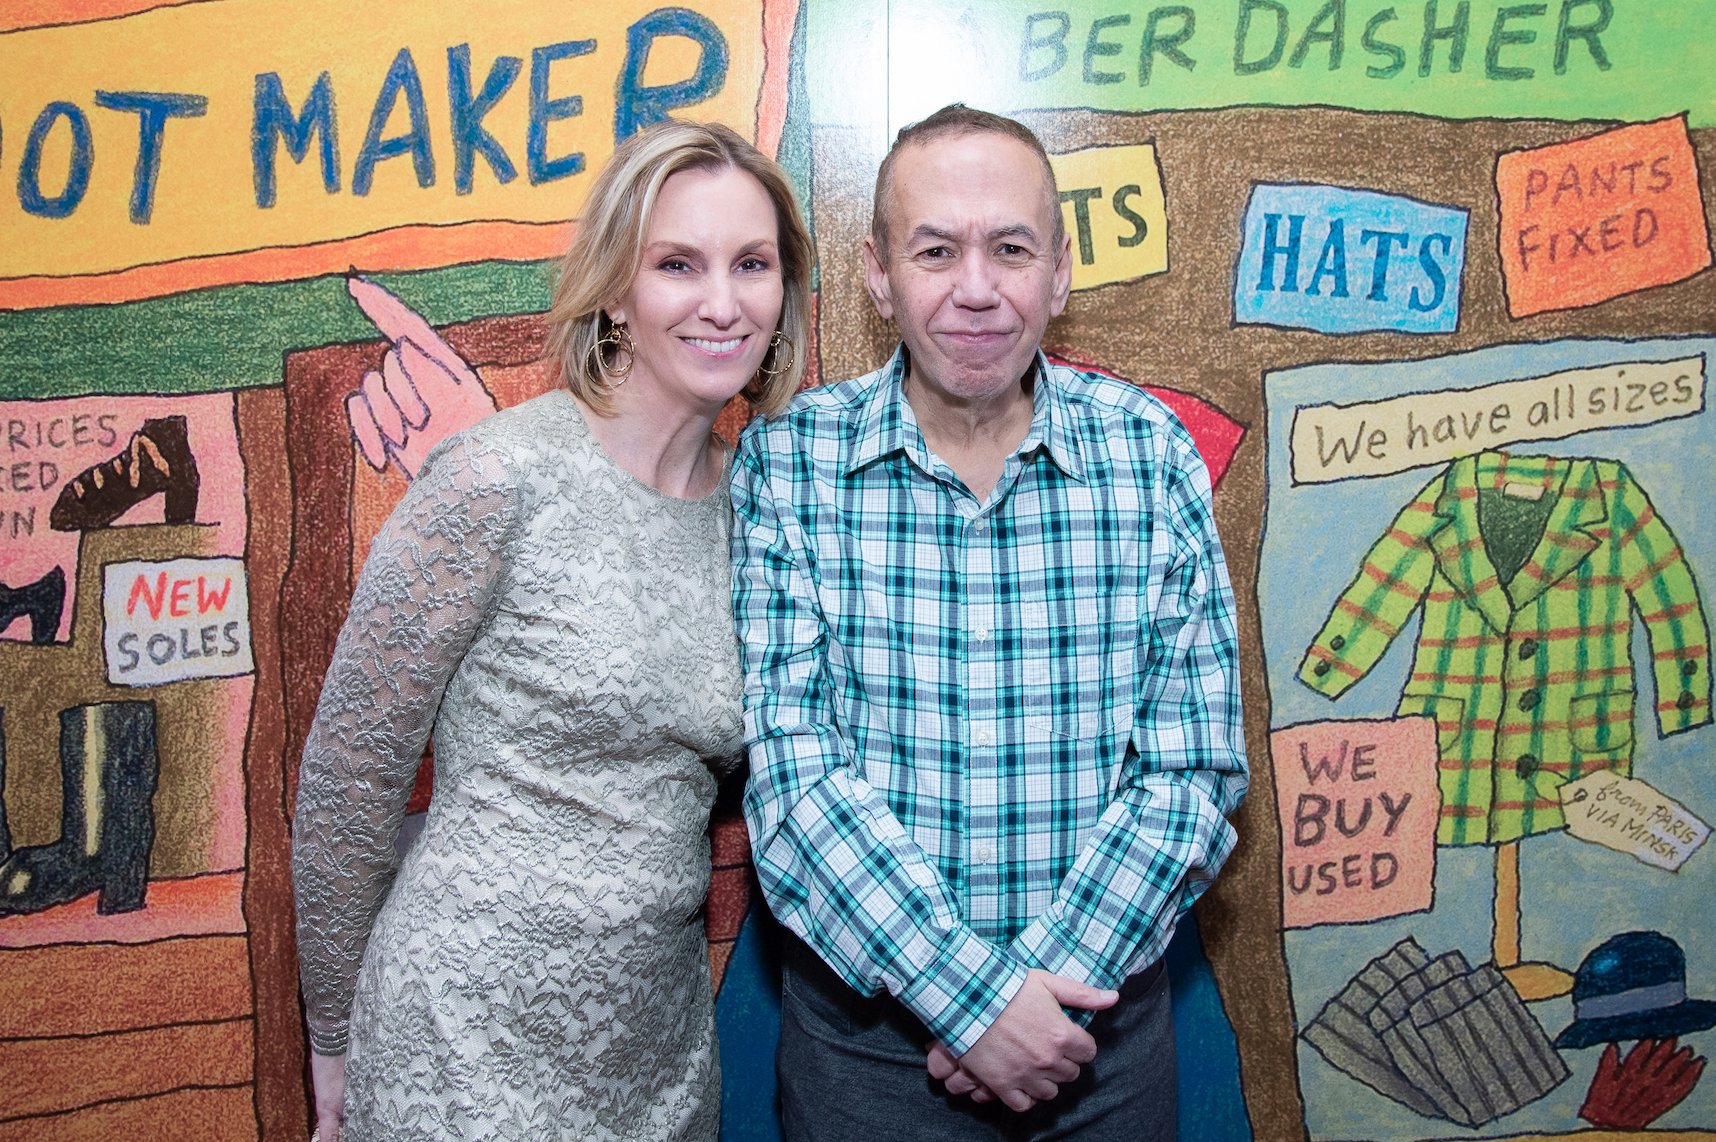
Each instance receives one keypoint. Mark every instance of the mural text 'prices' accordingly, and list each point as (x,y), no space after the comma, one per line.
(1116,212)
(1625,814)
(1600,217)
(1358,802)
(177,620)
(1349,261)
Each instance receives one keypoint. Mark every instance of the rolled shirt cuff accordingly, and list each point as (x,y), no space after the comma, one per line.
(964,989)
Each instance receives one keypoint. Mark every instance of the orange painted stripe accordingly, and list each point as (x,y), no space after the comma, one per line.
(1622,674)
(404,248)
(779,16)
(1341,667)
(1387,579)
(22,14)
(1348,607)
(47,1076)
(1675,655)
(1553,634)
(1640,522)
(199,1114)
(1406,539)
(1678,611)
(86,989)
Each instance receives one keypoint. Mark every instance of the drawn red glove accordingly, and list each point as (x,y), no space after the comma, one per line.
(1632,1093)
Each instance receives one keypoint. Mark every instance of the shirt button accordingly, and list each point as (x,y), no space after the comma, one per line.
(1528,648)
(981,634)
(984,853)
(980,524)
(984,737)
(1528,700)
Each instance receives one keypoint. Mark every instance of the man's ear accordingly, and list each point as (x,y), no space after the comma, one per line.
(1063,277)
(876,280)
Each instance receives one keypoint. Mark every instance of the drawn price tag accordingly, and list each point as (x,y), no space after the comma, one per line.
(1625,814)
(177,620)
(1358,804)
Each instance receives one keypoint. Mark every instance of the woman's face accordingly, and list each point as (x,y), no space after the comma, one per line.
(708,290)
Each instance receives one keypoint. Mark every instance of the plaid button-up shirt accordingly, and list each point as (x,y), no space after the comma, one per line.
(984,736)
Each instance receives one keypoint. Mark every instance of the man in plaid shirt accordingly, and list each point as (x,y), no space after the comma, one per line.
(991,694)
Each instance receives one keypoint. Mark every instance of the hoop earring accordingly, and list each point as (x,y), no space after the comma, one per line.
(764,371)
(619,341)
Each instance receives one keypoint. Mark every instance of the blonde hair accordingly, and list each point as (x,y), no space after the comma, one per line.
(607,249)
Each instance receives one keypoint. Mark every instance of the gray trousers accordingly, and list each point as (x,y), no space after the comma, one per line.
(852,1069)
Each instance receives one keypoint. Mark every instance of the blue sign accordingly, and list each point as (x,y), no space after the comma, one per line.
(1349,261)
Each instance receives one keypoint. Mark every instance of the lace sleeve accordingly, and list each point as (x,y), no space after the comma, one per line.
(427,586)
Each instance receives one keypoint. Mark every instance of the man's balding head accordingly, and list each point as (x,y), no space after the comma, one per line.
(954,120)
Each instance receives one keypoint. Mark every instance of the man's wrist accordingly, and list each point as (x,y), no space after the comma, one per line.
(1050,945)
(964,989)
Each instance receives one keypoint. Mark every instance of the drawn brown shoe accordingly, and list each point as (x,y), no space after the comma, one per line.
(157,460)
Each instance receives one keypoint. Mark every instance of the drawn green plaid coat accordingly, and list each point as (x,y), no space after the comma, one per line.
(1528,569)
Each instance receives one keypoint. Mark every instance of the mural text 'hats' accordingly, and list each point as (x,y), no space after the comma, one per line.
(1633,986)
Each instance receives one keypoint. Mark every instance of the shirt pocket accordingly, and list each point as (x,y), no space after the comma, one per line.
(1071,687)
(1601,722)
(1449,712)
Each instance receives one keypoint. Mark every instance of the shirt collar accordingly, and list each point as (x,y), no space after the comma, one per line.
(887,425)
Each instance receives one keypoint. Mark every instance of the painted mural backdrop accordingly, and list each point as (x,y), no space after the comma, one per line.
(1429,282)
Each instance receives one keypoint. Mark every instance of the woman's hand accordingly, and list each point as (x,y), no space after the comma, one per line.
(328,1076)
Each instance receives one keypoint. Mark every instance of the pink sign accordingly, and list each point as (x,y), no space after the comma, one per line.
(1358,804)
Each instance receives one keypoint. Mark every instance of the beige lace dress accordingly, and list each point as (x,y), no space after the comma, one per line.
(535,968)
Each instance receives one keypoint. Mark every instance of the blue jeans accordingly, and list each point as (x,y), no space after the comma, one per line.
(852,1069)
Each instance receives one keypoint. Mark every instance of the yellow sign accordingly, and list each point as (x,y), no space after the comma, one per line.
(1379,438)
(240,125)
(1115,211)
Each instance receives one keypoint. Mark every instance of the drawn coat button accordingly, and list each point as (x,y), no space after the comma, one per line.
(1337,642)
(1526,766)
(1528,648)
(1528,700)
(1684,702)
(1320,669)
(1689,668)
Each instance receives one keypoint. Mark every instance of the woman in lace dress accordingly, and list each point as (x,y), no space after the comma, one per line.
(551,599)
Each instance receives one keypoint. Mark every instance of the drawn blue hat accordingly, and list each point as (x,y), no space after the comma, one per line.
(1633,986)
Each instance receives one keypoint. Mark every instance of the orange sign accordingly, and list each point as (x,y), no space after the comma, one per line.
(1358,803)
(1599,217)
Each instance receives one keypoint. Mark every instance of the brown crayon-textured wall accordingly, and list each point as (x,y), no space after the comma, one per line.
(1429,283)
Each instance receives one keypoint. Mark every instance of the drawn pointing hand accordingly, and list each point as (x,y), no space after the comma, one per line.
(423,393)
(1631,1094)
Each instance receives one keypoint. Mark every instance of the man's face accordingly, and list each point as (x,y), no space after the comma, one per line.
(973,271)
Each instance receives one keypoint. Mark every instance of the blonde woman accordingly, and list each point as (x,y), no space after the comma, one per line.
(551,600)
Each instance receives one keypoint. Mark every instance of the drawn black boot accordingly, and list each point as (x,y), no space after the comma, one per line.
(157,460)
(109,766)
(42,601)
